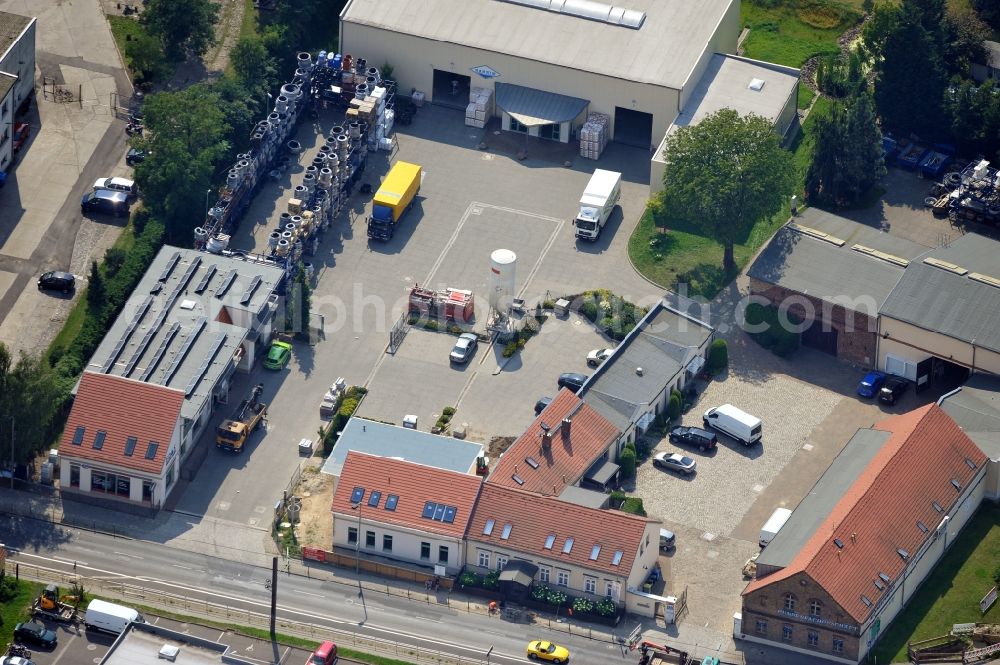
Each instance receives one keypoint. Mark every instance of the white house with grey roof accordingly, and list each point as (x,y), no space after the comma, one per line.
(17,75)
(641,62)
(193,321)
(663,352)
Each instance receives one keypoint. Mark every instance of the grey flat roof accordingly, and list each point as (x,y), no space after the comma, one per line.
(724,85)
(825,494)
(374,438)
(584,497)
(976,408)
(532,107)
(663,52)
(840,275)
(11,27)
(140,644)
(182,332)
(954,305)
(661,344)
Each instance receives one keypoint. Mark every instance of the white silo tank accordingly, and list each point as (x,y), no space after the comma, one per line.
(503,267)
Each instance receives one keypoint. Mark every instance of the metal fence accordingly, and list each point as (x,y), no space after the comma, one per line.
(233,616)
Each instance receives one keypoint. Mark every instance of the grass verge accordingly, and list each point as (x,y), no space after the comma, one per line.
(951,594)
(124,28)
(261,634)
(805,96)
(794,31)
(17,609)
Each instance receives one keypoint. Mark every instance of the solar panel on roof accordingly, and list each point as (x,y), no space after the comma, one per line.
(184,350)
(169,268)
(160,351)
(220,341)
(248,294)
(188,274)
(137,317)
(227,282)
(203,284)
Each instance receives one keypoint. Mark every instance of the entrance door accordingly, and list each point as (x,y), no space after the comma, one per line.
(822,340)
(633,128)
(451,89)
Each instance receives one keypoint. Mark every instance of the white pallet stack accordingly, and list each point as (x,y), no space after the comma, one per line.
(480,108)
(594,135)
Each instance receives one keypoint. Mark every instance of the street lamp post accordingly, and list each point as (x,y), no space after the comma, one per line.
(208,192)
(357,560)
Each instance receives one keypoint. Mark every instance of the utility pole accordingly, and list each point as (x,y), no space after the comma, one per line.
(274,595)
(11,451)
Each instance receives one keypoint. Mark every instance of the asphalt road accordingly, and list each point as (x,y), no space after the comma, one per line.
(240,586)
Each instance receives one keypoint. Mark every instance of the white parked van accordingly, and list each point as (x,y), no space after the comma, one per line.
(109,617)
(773,525)
(738,424)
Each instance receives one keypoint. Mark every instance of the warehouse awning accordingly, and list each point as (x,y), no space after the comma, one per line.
(518,571)
(533,108)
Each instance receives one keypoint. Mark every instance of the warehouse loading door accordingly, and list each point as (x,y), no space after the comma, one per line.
(633,128)
(451,89)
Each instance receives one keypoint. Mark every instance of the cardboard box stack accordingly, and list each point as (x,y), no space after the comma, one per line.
(381,120)
(594,135)
(480,108)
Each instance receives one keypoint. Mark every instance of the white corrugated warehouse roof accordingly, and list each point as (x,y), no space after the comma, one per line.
(662,52)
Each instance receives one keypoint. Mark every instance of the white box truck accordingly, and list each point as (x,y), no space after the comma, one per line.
(773,525)
(109,617)
(598,200)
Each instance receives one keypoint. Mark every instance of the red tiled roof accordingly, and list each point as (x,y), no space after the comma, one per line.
(414,484)
(572,451)
(879,513)
(122,408)
(534,518)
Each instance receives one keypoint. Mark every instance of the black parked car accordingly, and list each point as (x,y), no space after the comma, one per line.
(541,404)
(572,380)
(35,633)
(892,389)
(105,201)
(694,436)
(134,156)
(57,281)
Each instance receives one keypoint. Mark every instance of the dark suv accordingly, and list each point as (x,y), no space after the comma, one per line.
(57,281)
(35,633)
(892,389)
(572,380)
(694,436)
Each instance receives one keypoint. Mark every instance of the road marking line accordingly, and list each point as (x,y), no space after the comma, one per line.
(45,558)
(132,556)
(71,561)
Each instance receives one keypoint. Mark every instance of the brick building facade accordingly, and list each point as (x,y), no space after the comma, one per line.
(801,614)
(845,333)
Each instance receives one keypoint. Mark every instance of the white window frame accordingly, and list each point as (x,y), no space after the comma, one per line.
(562,578)
(501,562)
(484,559)
(544,574)
(590,585)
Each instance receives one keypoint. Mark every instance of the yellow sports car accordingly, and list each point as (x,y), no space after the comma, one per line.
(547,651)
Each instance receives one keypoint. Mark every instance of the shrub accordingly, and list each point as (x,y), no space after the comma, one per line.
(548,304)
(557,598)
(718,356)
(627,462)
(617,498)
(454,330)
(539,592)
(448,411)
(633,505)
(431,325)
(509,350)
(630,446)
(492,580)
(583,605)
(674,406)
(469,578)
(347,407)
(606,607)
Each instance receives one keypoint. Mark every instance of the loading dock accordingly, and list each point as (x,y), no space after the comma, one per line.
(633,128)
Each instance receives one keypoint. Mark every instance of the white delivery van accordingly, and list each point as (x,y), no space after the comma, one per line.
(598,201)
(738,424)
(109,617)
(773,525)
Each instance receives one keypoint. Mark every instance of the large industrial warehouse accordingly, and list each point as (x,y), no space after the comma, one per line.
(550,63)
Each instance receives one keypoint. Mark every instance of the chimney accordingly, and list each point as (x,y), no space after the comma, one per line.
(546,436)
(565,427)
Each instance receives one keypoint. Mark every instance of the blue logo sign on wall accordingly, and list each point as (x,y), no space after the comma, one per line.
(486,72)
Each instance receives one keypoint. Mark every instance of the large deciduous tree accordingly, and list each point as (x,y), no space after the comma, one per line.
(186,139)
(29,394)
(847,161)
(724,175)
(184,27)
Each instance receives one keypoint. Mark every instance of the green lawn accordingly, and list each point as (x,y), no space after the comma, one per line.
(805,96)
(796,30)
(15,610)
(952,592)
(122,29)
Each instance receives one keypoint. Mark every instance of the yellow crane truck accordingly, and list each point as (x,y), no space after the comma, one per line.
(233,433)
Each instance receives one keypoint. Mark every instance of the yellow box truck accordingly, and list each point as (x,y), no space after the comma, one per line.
(393,198)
